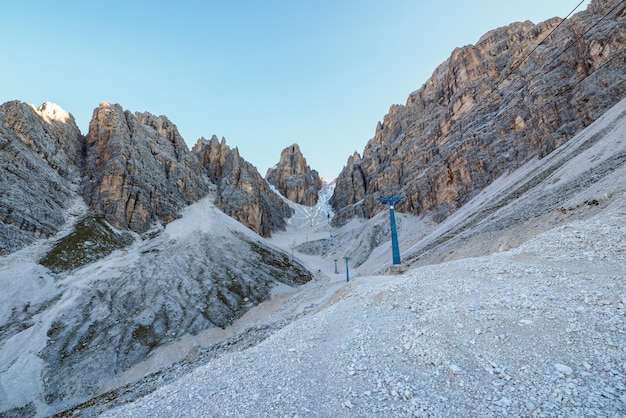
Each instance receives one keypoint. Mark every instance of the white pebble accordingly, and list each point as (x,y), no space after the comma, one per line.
(455,369)
(563,368)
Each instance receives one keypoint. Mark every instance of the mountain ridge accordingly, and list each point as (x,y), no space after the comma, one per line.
(133,170)
(242,193)
(294,178)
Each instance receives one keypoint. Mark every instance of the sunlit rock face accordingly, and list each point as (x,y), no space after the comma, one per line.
(138,169)
(294,178)
(241,191)
(41,155)
(520,92)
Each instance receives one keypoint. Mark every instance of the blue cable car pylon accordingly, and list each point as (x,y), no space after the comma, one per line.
(395,249)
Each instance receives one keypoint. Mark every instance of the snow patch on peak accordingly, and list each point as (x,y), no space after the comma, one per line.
(53,112)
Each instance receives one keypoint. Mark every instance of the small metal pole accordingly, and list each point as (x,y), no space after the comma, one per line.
(336,271)
(347,270)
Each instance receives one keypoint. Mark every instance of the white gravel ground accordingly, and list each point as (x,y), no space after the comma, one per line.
(537,331)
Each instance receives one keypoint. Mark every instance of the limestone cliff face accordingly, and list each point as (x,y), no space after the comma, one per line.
(241,191)
(350,189)
(294,178)
(519,93)
(132,169)
(138,169)
(41,155)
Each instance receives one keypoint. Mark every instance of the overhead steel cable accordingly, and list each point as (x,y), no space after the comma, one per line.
(570,87)
(587,31)
(516,66)
(519,63)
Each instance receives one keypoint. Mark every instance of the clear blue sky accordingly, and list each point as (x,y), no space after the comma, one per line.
(262,74)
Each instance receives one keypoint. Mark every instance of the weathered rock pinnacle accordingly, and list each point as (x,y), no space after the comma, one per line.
(241,191)
(294,178)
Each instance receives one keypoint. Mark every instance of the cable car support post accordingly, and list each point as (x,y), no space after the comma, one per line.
(395,248)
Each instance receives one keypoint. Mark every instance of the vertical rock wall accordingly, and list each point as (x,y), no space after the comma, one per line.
(138,169)
(518,93)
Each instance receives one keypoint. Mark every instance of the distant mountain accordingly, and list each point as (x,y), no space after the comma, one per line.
(138,169)
(520,92)
(293,177)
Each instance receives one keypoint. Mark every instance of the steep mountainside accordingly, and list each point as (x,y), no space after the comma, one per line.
(575,182)
(294,178)
(241,191)
(520,92)
(41,155)
(138,169)
(66,336)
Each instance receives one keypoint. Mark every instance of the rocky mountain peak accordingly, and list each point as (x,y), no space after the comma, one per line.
(138,169)
(53,112)
(241,191)
(163,126)
(132,170)
(212,154)
(294,178)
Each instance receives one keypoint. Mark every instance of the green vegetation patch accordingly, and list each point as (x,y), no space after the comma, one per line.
(92,240)
(280,266)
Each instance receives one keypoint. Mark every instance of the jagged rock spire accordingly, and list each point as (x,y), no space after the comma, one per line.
(241,191)
(294,178)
